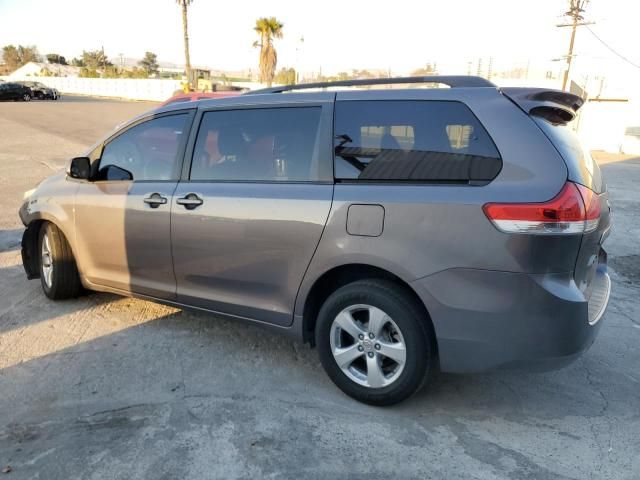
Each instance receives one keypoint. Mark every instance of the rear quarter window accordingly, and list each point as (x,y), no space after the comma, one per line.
(582,168)
(415,141)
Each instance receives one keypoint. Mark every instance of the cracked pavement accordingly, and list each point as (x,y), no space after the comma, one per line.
(104,387)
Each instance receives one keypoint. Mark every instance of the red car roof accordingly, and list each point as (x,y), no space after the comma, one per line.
(193,96)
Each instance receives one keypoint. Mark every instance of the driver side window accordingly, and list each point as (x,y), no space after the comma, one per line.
(148,151)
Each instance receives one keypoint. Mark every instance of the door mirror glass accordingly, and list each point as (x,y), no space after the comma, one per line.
(80,167)
(114,172)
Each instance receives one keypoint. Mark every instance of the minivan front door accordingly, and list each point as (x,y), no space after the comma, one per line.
(123,215)
(247,221)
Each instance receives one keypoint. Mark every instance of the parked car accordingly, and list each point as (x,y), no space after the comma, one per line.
(15,91)
(193,96)
(41,91)
(397,230)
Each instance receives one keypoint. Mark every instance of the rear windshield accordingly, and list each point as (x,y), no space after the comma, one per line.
(581,166)
(416,141)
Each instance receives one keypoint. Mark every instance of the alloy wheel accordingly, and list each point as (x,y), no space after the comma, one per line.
(368,346)
(46,261)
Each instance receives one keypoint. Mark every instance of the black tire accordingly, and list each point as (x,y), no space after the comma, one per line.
(410,319)
(26,97)
(64,279)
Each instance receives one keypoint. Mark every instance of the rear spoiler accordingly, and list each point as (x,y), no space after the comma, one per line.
(555,106)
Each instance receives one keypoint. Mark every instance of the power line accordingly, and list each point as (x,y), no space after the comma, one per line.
(613,50)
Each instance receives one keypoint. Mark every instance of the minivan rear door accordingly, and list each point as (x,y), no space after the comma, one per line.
(584,170)
(248,214)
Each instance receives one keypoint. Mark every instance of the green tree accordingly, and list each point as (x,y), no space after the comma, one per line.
(135,72)
(428,69)
(55,58)
(149,63)
(286,76)
(184,4)
(269,28)
(94,59)
(86,72)
(77,62)
(110,72)
(15,57)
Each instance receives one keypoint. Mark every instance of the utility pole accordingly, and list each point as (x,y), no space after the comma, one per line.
(576,9)
(104,60)
(299,45)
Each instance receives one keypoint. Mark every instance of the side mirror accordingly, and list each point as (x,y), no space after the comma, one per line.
(113,172)
(80,167)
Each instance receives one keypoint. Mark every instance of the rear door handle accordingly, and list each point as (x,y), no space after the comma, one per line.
(155,200)
(190,201)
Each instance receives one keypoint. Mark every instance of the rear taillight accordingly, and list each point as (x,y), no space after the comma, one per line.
(576,209)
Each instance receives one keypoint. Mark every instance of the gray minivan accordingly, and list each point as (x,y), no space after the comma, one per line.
(399,231)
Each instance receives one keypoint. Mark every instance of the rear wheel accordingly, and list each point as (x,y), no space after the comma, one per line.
(58,270)
(26,97)
(373,342)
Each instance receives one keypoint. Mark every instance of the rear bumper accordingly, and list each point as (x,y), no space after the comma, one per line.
(487,320)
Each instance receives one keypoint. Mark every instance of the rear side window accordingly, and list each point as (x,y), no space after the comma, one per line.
(416,141)
(262,144)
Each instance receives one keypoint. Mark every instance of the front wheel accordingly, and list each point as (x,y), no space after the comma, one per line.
(373,342)
(58,270)
(26,97)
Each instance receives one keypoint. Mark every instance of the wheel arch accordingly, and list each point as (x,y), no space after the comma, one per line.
(338,276)
(29,244)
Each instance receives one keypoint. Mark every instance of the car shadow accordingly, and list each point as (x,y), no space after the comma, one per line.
(10,239)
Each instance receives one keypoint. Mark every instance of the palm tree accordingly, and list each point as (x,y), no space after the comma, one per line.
(268,29)
(187,61)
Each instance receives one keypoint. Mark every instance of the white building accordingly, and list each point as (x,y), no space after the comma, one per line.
(34,69)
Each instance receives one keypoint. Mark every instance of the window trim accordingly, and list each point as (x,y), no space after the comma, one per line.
(434,182)
(180,154)
(324,136)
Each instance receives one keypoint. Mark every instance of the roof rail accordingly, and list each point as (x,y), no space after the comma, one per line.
(453,81)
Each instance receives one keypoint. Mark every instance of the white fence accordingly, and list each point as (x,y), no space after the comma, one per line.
(133,89)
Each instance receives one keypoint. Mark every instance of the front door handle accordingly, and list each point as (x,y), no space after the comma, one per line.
(155,200)
(190,201)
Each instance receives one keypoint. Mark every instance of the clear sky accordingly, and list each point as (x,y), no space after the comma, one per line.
(338,34)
